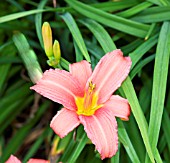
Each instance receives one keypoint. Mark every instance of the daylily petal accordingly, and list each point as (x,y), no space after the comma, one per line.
(59,86)
(109,73)
(101,128)
(64,122)
(13,159)
(119,107)
(32,160)
(81,71)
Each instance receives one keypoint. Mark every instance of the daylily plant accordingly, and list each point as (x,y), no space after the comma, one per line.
(87,99)
(13,159)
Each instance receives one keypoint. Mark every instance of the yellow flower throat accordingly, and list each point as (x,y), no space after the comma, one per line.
(87,105)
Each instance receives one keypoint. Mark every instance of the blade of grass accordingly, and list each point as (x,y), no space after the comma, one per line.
(159,84)
(113,21)
(76,34)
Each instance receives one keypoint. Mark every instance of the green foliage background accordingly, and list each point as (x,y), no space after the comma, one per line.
(86,30)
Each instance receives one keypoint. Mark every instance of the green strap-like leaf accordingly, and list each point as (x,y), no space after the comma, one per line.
(28,56)
(113,21)
(153,14)
(124,138)
(38,21)
(19,15)
(159,84)
(76,34)
(100,33)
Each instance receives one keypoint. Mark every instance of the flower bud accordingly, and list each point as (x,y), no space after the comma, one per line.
(47,39)
(56,50)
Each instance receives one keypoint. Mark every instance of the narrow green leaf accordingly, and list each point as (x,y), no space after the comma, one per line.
(166,127)
(131,46)
(28,56)
(76,34)
(19,15)
(113,21)
(64,63)
(157,2)
(4,70)
(134,10)
(145,93)
(98,31)
(79,147)
(8,51)
(79,55)
(112,6)
(159,84)
(94,49)
(74,148)
(153,15)
(38,21)
(140,65)
(116,158)
(160,2)
(138,53)
(152,27)
(138,114)
(124,139)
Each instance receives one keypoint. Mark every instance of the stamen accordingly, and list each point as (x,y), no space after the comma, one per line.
(88,104)
(89,96)
(91,86)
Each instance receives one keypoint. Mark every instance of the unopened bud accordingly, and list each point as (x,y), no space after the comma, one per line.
(47,39)
(56,50)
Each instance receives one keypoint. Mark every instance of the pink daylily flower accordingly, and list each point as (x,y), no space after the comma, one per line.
(87,99)
(13,159)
